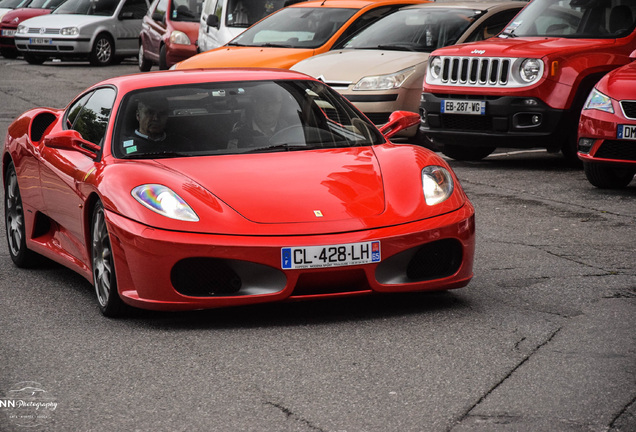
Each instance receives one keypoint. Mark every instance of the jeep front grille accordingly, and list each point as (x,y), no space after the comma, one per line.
(478,71)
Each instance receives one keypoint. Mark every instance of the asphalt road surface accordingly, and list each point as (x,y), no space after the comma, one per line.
(543,338)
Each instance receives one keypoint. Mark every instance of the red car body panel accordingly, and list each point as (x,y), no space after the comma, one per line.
(155,34)
(602,126)
(243,222)
(10,22)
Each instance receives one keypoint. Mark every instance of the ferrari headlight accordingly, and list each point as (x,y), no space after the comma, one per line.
(531,70)
(179,38)
(598,101)
(384,82)
(435,67)
(69,31)
(164,201)
(437,184)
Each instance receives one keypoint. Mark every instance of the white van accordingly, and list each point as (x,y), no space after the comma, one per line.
(223,20)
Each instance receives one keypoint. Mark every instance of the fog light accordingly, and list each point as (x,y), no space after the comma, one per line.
(585,145)
(536,119)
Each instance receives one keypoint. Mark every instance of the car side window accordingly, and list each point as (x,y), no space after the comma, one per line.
(138,8)
(363,21)
(91,119)
(161,8)
(492,26)
(74,110)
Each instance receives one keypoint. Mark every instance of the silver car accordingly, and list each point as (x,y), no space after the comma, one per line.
(382,68)
(103,31)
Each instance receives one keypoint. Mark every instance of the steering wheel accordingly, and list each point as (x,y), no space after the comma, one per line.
(290,134)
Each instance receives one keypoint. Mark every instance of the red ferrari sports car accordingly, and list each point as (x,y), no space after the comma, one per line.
(607,130)
(197,189)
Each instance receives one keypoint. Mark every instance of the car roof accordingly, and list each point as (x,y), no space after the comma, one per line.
(346,4)
(470,4)
(127,83)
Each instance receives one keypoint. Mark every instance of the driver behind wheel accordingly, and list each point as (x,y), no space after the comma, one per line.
(262,120)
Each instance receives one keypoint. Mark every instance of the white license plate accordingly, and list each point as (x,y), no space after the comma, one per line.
(8,32)
(39,41)
(463,107)
(626,132)
(330,256)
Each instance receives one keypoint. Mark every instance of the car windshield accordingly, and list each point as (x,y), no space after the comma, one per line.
(88,7)
(186,10)
(422,30)
(237,117)
(295,28)
(579,19)
(13,4)
(45,4)
(244,13)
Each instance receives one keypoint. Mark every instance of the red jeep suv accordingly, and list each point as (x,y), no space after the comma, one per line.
(527,86)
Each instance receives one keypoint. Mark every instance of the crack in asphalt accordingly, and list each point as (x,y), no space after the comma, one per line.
(538,200)
(466,414)
(614,423)
(291,415)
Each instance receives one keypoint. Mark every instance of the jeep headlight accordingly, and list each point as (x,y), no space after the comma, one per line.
(435,67)
(531,70)
(69,31)
(598,101)
(384,82)
(179,38)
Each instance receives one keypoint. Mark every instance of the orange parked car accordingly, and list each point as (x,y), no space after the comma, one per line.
(295,33)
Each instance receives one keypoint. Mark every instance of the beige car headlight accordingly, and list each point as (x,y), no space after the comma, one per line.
(384,82)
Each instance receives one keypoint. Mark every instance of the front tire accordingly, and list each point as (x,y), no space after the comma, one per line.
(144,64)
(606,176)
(14,222)
(163,62)
(103,51)
(34,59)
(104,277)
(467,153)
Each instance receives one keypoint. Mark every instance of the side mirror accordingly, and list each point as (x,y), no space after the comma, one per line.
(399,120)
(212,21)
(157,16)
(71,140)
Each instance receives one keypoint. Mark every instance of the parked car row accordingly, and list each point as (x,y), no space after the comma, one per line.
(481,73)
(161,33)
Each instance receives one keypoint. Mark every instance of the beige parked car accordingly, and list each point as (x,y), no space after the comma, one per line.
(382,69)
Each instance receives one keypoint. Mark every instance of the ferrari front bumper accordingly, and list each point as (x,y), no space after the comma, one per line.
(167,270)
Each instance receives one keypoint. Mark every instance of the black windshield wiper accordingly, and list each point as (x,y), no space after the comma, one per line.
(160,155)
(397,47)
(274,45)
(285,147)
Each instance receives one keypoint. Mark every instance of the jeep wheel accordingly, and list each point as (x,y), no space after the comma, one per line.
(466,153)
(606,176)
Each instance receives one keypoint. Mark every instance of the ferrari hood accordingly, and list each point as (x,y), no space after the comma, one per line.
(291,187)
(232,56)
(351,65)
(526,47)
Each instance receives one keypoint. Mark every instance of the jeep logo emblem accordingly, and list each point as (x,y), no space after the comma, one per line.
(477,51)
